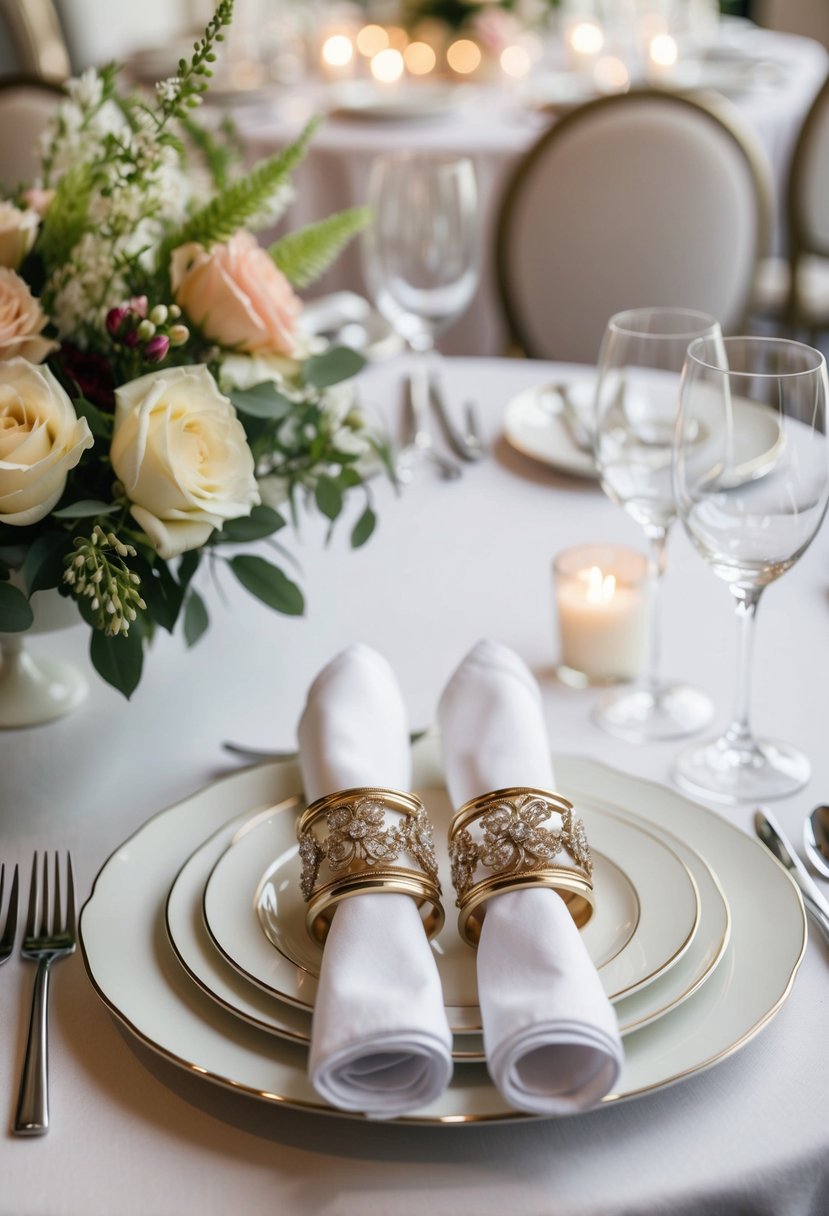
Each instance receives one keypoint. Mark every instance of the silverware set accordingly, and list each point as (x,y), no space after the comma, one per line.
(48,936)
(422,391)
(772,836)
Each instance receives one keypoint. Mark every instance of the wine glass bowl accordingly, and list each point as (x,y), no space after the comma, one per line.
(637,394)
(751,496)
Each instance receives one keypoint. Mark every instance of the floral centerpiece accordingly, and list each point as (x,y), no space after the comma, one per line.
(158,401)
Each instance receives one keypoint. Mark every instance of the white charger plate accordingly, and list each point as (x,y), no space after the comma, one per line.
(208,968)
(135,971)
(534,425)
(647,911)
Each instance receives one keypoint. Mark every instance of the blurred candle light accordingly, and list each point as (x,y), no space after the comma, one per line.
(398,38)
(464,56)
(337,50)
(372,39)
(663,50)
(587,38)
(515,61)
(419,58)
(387,66)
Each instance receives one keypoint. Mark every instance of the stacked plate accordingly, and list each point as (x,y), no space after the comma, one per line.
(697,936)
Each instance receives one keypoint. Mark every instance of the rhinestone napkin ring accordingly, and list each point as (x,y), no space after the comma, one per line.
(510,840)
(368,839)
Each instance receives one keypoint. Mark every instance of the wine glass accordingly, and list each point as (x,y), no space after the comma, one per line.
(420,254)
(751,480)
(637,395)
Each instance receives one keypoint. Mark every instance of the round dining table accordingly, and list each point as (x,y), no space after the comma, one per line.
(496,124)
(452,561)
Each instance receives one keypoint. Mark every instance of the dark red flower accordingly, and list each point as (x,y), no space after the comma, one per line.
(86,374)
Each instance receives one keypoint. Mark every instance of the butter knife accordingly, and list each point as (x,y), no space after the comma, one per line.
(772,837)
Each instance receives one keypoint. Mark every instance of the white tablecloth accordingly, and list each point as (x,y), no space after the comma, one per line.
(451,562)
(496,130)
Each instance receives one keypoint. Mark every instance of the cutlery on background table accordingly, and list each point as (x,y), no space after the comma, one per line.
(419,438)
(577,428)
(464,441)
(816,839)
(257,753)
(48,937)
(772,837)
(7,938)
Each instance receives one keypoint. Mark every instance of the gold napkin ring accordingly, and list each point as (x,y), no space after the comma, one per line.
(369,839)
(510,841)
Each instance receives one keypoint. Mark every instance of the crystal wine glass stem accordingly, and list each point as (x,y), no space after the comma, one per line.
(658,540)
(739,730)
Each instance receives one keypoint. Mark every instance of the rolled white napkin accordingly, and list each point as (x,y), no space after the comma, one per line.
(380,1041)
(550,1034)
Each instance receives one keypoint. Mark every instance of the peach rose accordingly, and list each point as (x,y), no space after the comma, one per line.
(236,295)
(41,439)
(18,230)
(21,321)
(38,199)
(181,453)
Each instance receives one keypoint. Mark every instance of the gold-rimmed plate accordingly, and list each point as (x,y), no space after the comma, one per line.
(646,913)
(158,1002)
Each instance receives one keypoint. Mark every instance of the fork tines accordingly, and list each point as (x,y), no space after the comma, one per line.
(56,920)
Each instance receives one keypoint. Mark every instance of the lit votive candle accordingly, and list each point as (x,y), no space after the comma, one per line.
(603,604)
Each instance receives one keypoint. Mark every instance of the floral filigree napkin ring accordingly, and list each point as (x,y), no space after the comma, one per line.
(499,842)
(362,840)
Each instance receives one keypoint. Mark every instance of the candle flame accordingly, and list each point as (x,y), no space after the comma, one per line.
(600,587)
(337,50)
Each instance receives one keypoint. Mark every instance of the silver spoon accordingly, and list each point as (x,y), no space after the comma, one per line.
(816,839)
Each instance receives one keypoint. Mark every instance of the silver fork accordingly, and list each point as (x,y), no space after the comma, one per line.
(7,940)
(52,939)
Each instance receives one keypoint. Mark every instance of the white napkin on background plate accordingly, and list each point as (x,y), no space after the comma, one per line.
(550,1034)
(380,1041)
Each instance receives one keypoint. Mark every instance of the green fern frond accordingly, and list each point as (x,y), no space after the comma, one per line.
(241,201)
(304,255)
(217,154)
(65,222)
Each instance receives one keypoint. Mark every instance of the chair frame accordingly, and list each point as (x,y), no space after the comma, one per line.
(800,243)
(37,34)
(717,111)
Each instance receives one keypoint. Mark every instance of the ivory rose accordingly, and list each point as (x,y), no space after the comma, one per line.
(182,456)
(21,321)
(18,230)
(236,295)
(41,439)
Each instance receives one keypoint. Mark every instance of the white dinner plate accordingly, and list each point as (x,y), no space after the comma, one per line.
(134,969)
(534,425)
(646,914)
(347,319)
(209,969)
(364,100)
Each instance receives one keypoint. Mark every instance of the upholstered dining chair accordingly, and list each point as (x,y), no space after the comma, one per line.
(638,199)
(794,290)
(26,106)
(35,34)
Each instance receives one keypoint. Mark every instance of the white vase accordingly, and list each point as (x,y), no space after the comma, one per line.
(35,689)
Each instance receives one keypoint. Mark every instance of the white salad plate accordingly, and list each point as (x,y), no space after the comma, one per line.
(136,973)
(647,911)
(365,101)
(534,425)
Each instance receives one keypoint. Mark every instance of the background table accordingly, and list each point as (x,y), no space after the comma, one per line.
(492,126)
(451,562)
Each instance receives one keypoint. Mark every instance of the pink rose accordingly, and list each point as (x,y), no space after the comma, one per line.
(236,295)
(21,321)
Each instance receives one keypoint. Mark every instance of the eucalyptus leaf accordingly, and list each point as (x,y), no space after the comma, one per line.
(363,528)
(331,366)
(261,401)
(328,496)
(118,660)
(15,610)
(85,508)
(262,521)
(269,584)
(196,619)
(100,424)
(43,564)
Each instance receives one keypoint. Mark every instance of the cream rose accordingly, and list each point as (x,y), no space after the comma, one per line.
(21,321)
(236,295)
(18,230)
(41,439)
(182,456)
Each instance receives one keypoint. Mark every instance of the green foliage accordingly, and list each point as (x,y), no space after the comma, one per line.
(241,201)
(65,222)
(269,584)
(196,619)
(15,611)
(261,401)
(363,528)
(304,255)
(118,660)
(332,366)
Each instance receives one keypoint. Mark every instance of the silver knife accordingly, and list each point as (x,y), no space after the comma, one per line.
(772,837)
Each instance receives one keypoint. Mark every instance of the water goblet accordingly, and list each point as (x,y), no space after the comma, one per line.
(637,395)
(751,493)
(420,256)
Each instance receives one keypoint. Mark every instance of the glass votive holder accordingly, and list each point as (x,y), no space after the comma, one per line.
(602,598)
